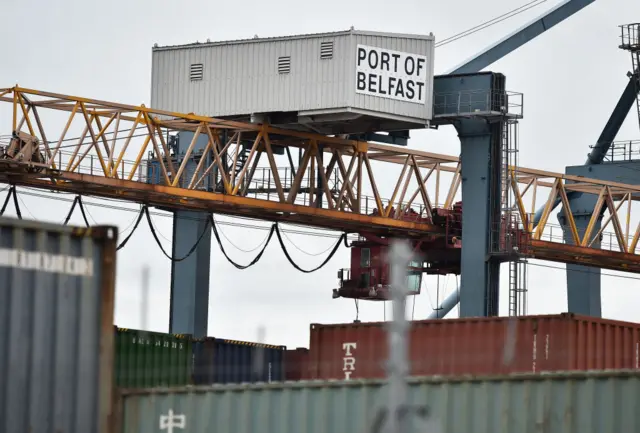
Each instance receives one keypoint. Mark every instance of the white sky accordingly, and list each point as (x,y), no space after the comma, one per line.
(571,77)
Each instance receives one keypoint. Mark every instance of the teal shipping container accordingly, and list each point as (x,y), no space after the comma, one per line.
(585,402)
(146,359)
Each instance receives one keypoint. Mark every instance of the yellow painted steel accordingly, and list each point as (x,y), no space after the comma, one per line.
(594,218)
(344,199)
(568,214)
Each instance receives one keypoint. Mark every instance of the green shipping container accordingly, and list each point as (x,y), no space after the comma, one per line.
(148,359)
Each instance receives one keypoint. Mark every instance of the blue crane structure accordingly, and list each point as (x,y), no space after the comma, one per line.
(583,282)
(481,189)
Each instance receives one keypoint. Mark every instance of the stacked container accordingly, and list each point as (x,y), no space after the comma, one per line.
(478,346)
(296,364)
(149,359)
(56,318)
(584,402)
(230,361)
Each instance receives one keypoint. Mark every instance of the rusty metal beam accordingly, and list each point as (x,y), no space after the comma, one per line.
(564,253)
(180,198)
(366,163)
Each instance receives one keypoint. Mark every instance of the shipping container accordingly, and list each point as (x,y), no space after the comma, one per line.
(296,364)
(332,83)
(148,359)
(555,403)
(495,345)
(56,327)
(217,360)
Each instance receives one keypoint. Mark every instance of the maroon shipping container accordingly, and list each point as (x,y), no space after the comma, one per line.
(478,346)
(296,365)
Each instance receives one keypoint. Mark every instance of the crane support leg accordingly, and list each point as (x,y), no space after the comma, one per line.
(583,282)
(480,158)
(189,309)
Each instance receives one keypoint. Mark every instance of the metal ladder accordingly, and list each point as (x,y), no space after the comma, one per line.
(517,266)
(517,288)
(630,41)
(635,59)
(509,150)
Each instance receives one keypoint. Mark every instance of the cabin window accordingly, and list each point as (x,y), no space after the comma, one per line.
(364,280)
(414,277)
(413,281)
(365,258)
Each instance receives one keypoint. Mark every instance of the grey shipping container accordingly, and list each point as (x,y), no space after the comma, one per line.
(56,327)
(222,361)
(334,83)
(595,402)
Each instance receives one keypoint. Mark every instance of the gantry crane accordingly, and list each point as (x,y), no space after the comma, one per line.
(605,161)
(208,171)
(96,165)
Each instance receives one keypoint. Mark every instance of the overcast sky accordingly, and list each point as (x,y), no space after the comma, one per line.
(571,77)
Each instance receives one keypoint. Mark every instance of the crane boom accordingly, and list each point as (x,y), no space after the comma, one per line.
(518,38)
(103,164)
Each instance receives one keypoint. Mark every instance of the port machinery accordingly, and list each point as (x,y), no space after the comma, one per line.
(215,168)
(95,164)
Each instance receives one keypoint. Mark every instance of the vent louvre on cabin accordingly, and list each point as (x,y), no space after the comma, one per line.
(284,64)
(326,50)
(196,72)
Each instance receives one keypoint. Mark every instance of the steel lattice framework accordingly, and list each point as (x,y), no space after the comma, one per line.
(94,164)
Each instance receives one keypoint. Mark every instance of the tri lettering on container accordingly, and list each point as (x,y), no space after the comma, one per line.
(391,74)
(349,360)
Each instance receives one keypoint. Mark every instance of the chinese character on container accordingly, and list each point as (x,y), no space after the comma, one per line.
(172,421)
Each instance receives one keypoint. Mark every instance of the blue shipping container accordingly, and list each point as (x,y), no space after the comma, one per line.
(217,360)
(56,327)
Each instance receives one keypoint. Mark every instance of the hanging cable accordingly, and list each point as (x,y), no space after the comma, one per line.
(303,251)
(500,18)
(237,247)
(6,200)
(257,257)
(82,211)
(15,202)
(458,291)
(77,200)
(357,312)
(135,227)
(11,193)
(413,309)
(155,236)
(58,197)
(145,211)
(438,291)
(71,209)
(343,239)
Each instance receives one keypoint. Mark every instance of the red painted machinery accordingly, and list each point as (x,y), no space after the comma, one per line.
(368,278)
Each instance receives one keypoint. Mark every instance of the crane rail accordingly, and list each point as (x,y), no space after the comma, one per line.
(101,163)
